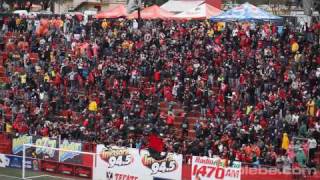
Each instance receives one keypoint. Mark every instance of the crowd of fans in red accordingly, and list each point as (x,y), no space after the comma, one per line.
(104,81)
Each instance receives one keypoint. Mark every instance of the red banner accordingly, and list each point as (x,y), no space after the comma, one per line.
(5,144)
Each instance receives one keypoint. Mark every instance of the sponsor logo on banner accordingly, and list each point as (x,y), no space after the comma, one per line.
(114,163)
(46,142)
(17,143)
(66,145)
(206,168)
(116,156)
(4,161)
(169,164)
(14,161)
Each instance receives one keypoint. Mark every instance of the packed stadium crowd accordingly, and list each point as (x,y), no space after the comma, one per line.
(254,86)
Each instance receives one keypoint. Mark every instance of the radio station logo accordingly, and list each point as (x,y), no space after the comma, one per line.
(116,156)
(169,164)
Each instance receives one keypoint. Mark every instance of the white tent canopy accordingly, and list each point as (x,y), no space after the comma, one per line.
(203,11)
(178,6)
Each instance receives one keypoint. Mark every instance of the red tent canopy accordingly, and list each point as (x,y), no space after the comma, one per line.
(113,12)
(152,12)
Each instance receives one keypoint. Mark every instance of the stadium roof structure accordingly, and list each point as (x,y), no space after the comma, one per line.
(245,12)
(203,11)
(152,12)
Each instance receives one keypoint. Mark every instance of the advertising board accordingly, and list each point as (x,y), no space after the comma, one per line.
(206,168)
(115,163)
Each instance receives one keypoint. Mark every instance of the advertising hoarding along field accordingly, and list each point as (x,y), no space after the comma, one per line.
(117,163)
(41,153)
(17,144)
(70,157)
(47,153)
(206,168)
(13,161)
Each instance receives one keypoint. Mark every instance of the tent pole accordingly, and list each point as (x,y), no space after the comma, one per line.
(139,13)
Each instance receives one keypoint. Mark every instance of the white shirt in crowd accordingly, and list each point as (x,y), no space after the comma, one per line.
(295,118)
(312,143)
(318,73)
(235,32)
(135,24)
(317,127)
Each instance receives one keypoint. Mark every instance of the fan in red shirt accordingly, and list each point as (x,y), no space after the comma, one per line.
(156,146)
(157,76)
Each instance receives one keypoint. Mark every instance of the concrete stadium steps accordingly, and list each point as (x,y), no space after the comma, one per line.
(1,60)
(177,109)
(3,76)
(2,71)
(18,69)
(4,80)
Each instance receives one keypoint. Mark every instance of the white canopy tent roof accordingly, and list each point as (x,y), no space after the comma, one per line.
(203,11)
(178,6)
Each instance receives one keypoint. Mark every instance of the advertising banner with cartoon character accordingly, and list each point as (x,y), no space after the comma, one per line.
(70,157)
(36,152)
(17,144)
(206,168)
(45,152)
(117,163)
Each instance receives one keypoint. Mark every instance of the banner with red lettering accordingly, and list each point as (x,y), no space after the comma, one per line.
(117,163)
(206,168)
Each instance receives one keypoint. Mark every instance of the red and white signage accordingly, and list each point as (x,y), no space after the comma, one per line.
(120,163)
(206,168)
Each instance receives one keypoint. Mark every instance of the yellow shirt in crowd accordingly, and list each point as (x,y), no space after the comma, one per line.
(18,21)
(23,78)
(8,128)
(311,106)
(104,24)
(285,141)
(93,106)
(46,77)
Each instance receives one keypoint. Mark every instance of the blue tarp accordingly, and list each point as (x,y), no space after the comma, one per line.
(245,12)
